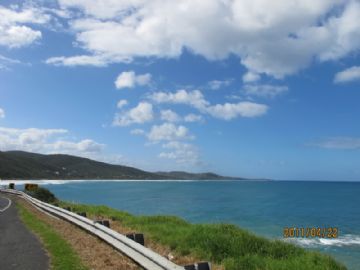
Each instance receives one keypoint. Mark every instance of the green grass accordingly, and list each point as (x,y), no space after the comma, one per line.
(62,255)
(229,245)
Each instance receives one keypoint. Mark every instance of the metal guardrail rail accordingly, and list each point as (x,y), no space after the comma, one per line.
(145,257)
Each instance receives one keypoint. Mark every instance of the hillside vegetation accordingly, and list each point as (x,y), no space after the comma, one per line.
(223,244)
(25,165)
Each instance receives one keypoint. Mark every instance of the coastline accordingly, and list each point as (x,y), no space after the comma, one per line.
(52,181)
(227,246)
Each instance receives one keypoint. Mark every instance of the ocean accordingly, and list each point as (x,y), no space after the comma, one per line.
(263,207)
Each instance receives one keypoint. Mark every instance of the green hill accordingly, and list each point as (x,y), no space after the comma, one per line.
(196,176)
(25,165)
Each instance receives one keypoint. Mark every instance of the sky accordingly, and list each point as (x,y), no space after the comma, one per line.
(251,88)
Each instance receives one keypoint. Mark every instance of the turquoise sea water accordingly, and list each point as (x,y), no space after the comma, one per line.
(264,207)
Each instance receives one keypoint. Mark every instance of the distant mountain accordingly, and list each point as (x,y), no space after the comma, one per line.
(196,176)
(25,165)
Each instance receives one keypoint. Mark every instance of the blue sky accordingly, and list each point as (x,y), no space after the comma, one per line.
(246,88)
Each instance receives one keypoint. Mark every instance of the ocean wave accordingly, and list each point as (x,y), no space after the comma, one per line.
(344,240)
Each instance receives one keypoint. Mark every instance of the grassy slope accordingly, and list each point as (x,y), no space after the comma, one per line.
(25,165)
(62,255)
(228,245)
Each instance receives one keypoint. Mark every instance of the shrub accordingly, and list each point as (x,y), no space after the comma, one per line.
(42,194)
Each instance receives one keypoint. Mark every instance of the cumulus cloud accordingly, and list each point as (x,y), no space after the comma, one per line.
(191,117)
(128,79)
(345,143)
(29,139)
(196,99)
(181,152)
(105,9)
(265,90)
(122,103)
(2,113)
(229,111)
(15,31)
(348,75)
(168,132)
(217,84)
(169,116)
(45,141)
(140,114)
(277,39)
(249,77)
(84,146)
(193,98)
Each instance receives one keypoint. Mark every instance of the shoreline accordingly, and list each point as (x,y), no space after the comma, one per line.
(226,245)
(63,181)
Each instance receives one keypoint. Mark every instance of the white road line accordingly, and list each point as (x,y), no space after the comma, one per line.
(6,207)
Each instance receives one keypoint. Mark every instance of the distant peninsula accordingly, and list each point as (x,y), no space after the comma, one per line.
(20,165)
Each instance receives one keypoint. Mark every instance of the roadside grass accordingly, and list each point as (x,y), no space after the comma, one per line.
(224,244)
(62,256)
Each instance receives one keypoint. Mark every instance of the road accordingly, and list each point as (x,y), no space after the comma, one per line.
(19,248)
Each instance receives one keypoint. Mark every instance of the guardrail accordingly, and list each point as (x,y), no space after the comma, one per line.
(145,257)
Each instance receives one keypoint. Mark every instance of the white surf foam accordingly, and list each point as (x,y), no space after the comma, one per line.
(39,182)
(59,182)
(344,240)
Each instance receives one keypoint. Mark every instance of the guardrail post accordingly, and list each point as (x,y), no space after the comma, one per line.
(198,266)
(137,237)
(105,223)
(83,214)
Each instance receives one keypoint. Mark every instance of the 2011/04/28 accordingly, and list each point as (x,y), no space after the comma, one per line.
(311,232)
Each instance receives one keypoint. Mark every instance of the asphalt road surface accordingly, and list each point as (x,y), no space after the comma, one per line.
(19,248)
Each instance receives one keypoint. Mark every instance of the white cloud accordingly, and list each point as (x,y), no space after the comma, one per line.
(169,116)
(137,131)
(348,75)
(183,153)
(80,60)
(6,62)
(143,79)
(84,146)
(277,39)
(14,31)
(54,141)
(249,77)
(341,31)
(142,113)
(128,79)
(217,84)
(18,36)
(45,141)
(168,132)
(191,117)
(26,137)
(196,99)
(121,103)
(265,90)
(2,113)
(229,111)
(125,79)
(193,98)
(105,9)
(346,143)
